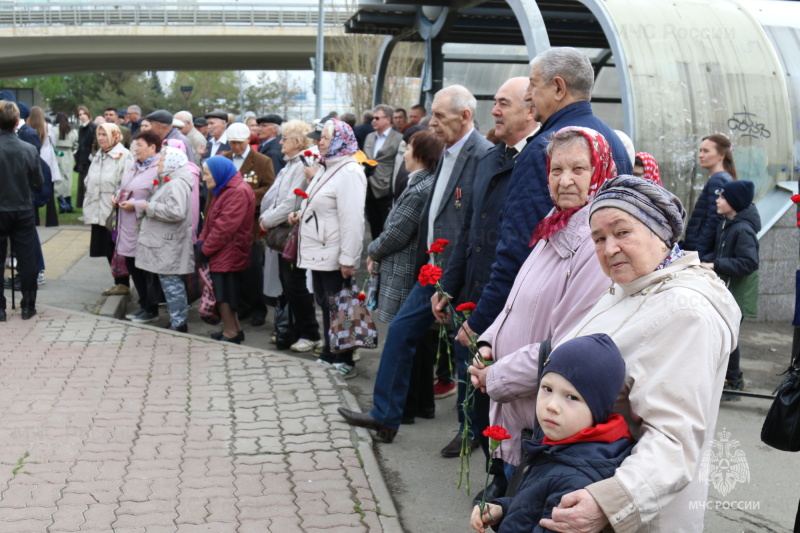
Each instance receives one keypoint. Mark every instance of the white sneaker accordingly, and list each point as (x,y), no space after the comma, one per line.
(345,370)
(40,278)
(303,345)
(356,356)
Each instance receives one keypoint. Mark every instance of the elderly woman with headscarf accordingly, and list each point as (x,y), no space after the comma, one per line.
(109,165)
(675,324)
(276,206)
(137,186)
(331,230)
(165,245)
(558,283)
(645,166)
(226,239)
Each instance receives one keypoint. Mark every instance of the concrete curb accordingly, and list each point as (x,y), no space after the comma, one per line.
(388,515)
(113,307)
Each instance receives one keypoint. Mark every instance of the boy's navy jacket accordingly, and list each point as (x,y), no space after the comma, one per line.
(703,223)
(557,470)
(736,251)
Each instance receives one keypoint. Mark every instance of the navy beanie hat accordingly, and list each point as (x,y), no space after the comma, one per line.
(594,366)
(8,96)
(739,194)
(24,110)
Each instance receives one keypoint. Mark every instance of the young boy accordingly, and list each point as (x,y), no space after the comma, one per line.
(735,260)
(583,443)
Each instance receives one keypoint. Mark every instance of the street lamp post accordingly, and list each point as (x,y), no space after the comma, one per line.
(319,60)
(186,91)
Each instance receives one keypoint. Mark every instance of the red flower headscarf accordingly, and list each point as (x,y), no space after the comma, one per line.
(603,169)
(650,168)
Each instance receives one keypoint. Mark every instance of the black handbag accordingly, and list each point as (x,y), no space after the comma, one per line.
(781,428)
(276,237)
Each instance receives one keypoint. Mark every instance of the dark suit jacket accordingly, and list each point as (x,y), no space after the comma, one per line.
(381,180)
(272,149)
(361,131)
(470,265)
(257,171)
(448,219)
(224,147)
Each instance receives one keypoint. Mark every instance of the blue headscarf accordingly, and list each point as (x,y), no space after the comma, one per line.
(222,169)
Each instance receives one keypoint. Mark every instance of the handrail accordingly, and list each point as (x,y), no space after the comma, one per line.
(167,12)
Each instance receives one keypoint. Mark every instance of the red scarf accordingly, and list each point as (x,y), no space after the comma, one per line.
(614,429)
(603,170)
(650,168)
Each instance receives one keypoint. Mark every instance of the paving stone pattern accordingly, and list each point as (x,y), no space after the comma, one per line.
(112,427)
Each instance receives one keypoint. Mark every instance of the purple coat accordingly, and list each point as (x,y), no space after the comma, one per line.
(139,180)
(557,285)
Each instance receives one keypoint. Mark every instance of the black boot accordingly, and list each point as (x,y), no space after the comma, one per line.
(28,304)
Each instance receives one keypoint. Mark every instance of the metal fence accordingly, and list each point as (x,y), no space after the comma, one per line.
(164,13)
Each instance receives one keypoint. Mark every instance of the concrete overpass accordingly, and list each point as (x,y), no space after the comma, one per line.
(61,37)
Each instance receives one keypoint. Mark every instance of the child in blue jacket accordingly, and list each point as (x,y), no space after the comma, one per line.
(583,443)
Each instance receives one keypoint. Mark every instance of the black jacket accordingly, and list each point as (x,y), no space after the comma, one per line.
(736,251)
(273,150)
(470,265)
(21,172)
(85,142)
(361,131)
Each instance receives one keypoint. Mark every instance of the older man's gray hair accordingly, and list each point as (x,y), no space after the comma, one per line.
(185,117)
(460,98)
(386,108)
(135,109)
(569,64)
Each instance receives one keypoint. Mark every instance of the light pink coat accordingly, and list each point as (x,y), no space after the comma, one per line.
(557,285)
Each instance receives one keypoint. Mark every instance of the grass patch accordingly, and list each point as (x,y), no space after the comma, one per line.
(67,219)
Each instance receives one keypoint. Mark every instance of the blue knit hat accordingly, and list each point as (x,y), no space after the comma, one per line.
(739,194)
(594,366)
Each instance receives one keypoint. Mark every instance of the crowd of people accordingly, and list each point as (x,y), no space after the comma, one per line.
(558,233)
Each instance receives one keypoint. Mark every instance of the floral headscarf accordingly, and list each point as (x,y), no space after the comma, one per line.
(113,132)
(173,159)
(650,168)
(343,142)
(603,169)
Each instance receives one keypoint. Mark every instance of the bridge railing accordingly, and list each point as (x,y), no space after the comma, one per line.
(163,13)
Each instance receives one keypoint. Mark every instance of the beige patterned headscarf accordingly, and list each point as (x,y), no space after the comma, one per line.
(113,132)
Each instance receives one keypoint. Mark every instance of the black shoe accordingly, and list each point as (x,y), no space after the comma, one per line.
(27,312)
(495,489)
(183,328)
(363,420)
(2,315)
(428,414)
(453,449)
(234,340)
(258,320)
(728,394)
(218,336)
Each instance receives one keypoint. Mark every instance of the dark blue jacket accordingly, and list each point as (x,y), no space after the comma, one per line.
(736,252)
(470,264)
(528,201)
(272,149)
(557,470)
(701,230)
(361,131)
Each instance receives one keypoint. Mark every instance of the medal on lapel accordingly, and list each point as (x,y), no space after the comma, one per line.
(457,203)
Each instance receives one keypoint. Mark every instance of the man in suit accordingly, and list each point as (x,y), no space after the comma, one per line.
(112,117)
(381,146)
(470,265)
(133,119)
(365,128)
(453,110)
(269,138)
(257,170)
(217,142)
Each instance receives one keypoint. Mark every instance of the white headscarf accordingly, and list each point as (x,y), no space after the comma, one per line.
(173,159)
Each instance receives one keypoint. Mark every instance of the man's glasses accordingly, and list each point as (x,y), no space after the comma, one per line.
(377,118)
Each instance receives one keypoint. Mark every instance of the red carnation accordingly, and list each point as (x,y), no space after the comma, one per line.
(497,433)
(308,153)
(155,182)
(362,297)
(436,248)
(166,179)
(466,307)
(796,198)
(429,275)
(442,242)
(301,193)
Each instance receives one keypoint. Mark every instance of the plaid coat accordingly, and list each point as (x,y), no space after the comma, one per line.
(395,249)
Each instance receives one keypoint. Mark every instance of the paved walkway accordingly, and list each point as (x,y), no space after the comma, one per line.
(113,427)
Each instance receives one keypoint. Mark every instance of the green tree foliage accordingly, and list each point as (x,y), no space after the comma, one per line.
(211,90)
